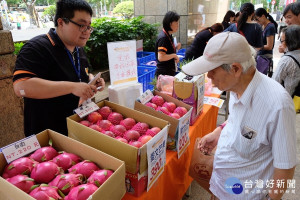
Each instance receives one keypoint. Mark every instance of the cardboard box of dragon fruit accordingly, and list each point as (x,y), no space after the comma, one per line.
(190,90)
(62,168)
(170,109)
(118,131)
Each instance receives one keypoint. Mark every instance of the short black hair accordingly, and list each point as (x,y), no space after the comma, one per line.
(293,7)
(292,39)
(170,17)
(66,8)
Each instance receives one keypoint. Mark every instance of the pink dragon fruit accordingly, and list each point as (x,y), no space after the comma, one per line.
(65,182)
(45,172)
(128,123)
(115,118)
(85,123)
(105,111)
(22,182)
(163,110)
(99,177)
(86,168)
(170,106)
(81,192)
(141,127)
(44,154)
(131,135)
(145,138)
(45,192)
(66,160)
(122,139)
(151,105)
(104,124)
(118,130)
(150,132)
(180,110)
(22,165)
(155,129)
(136,144)
(158,100)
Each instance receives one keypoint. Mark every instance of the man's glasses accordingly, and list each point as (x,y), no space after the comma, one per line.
(82,28)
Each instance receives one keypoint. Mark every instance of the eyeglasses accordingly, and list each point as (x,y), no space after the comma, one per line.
(281,41)
(82,28)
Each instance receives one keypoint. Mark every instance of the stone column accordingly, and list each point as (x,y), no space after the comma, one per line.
(11,107)
(194,14)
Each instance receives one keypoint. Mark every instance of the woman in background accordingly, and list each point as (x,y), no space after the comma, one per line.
(197,48)
(269,30)
(287,72)
(248,28)
(165,49)
(228,19)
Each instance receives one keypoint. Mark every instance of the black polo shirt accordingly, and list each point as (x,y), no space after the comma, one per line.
(46,57)
(165,44)
(199,43)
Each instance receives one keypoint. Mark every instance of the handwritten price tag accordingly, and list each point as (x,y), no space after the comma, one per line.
(183,133)
(84,110)
(146,97)
(20,148)
(213,101)
(156,168)
(156,155)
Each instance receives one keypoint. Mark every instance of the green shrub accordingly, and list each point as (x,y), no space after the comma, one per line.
(18,46)
(125,8)
(111,30)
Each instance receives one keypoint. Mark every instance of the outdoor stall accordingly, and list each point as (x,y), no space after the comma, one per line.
(174,182)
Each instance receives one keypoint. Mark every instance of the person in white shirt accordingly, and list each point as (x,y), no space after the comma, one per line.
(256,150)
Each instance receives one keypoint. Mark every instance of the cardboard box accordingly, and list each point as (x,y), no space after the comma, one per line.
(135,159)
(113,188)
(136,184)
(174,123)
(190,90)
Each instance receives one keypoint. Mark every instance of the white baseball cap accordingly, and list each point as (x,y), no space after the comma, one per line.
(223,48)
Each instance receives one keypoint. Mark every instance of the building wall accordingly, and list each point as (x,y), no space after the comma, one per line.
(194,14)
(11,107)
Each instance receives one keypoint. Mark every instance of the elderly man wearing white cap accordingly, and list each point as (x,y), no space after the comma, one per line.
(256,151)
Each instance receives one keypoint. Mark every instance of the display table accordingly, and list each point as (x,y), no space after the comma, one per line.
(174,181)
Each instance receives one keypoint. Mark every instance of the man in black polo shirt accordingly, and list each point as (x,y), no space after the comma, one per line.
(51,70)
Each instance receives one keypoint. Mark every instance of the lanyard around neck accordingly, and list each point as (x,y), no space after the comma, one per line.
(77,69)
(167,34)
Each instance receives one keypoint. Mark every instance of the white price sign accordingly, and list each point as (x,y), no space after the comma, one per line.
(183,134)
(213,101)
(86,109)
(146,97)
(20,148)
(156,154)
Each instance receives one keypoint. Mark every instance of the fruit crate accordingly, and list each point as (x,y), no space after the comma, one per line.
(145,76)
(144,57)
(181,51)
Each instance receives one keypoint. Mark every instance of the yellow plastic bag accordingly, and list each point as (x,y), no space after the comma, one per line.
(296,100)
